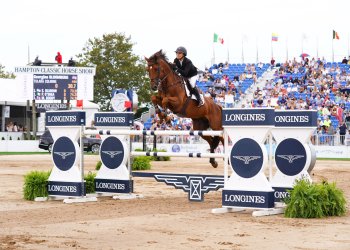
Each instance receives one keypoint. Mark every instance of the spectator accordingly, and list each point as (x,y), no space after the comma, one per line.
(331,133)
(37,62)
(15,127)
(272,62)
(229,99)
(345,61)
(342,132)
(9,127)
(71,62)
(58,58)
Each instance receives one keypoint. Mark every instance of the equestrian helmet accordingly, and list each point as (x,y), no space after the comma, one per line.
(182,49)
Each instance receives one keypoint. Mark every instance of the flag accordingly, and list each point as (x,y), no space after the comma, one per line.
(335,35)
(127,104)
(274,37)
(218,39)
(80,104)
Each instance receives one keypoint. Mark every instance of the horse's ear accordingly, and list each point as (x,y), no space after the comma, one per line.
(146,58)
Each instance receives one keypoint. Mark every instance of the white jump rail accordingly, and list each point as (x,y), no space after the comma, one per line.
(155,132)
(172,154)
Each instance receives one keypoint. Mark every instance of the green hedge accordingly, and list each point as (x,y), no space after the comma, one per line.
(89,182)
(35,184)
(312,200)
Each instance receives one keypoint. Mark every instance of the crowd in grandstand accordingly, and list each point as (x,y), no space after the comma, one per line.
(295,85)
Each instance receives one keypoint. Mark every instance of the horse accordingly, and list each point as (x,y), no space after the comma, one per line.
(172,95)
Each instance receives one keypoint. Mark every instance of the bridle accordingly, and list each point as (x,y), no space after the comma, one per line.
(157,81)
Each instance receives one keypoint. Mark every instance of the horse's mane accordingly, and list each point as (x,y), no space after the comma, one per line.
(159,55)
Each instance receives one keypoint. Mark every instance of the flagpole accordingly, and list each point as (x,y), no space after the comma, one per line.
(302,44)
(28,54)
(242,51)
(317,46)
(287,48)
(213,54)
(271,49)
(348,46)
(332,50)
(228,52)
(257,50)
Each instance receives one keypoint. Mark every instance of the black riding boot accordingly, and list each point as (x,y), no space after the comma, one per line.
(196,94)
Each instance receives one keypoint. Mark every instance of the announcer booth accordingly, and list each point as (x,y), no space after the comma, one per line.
(114,175)
(246,186)
(294,156)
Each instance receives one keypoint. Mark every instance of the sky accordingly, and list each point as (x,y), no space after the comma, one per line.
(42,28)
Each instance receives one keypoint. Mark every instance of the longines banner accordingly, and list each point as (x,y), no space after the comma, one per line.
(65,118)
(248,117)
(298,118)
(54,83)
(114,119)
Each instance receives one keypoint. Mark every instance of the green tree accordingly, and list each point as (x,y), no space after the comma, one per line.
(116,68)
(4,74)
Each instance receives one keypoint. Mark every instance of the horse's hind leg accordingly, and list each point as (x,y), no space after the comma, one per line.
(213,143)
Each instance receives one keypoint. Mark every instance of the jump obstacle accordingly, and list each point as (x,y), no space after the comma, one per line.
(244,183)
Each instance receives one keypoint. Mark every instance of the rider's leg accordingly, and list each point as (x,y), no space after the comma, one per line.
(195,90)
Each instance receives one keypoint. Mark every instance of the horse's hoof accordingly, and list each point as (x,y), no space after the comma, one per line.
(214,164)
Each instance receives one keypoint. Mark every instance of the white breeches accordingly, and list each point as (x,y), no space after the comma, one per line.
(193,80)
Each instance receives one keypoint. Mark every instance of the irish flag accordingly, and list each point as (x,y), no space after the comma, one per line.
(218,39)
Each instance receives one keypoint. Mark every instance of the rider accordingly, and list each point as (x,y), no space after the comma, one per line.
(185,67)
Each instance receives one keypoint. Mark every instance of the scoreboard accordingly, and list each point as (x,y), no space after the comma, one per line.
(54,87)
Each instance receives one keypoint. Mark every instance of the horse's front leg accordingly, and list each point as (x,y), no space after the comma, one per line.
(156,100)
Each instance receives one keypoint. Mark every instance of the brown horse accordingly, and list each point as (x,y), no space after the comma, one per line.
(172,95)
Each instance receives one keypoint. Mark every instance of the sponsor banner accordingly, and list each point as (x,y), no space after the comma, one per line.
(114,119)
(246,158)
(55,70)
(249,199)
(195,185)
(65,118)
(113,186)
(112,152)
(281,193)
(332,151)
(58,188)
(43,107)
(296,118)
(248,117)
(290,157)
(63,153)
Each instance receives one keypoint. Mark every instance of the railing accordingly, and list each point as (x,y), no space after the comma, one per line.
(330,140)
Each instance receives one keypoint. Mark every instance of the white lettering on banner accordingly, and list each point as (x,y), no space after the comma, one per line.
(110,119)
(245,117)
(281,195)
(59,188)
(244,198)
(111,186)
(292,118)
(65,118)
